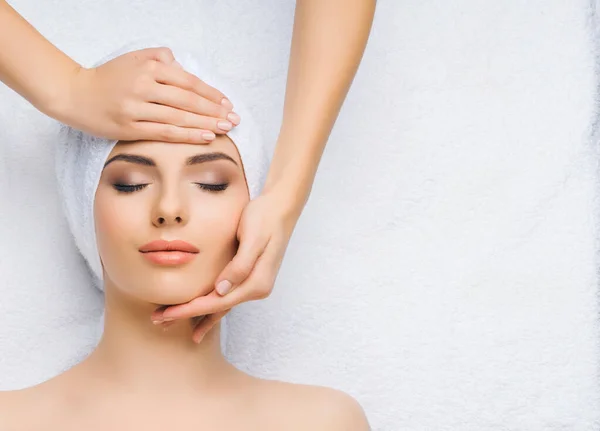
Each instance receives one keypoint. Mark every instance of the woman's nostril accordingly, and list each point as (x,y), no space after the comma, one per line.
(162,220)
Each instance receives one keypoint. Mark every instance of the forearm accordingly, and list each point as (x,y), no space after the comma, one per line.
(30,64)
(328,42)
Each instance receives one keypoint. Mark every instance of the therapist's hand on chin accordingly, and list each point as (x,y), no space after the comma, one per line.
(145,95)
(265,228)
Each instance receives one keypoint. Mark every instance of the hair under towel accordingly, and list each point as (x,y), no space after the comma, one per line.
(80,159)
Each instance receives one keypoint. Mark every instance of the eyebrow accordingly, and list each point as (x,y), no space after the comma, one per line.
(193,160)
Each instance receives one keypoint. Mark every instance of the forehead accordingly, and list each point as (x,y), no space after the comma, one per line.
(159,149)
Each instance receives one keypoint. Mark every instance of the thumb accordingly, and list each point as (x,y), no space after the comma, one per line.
(162,55)
(240,266)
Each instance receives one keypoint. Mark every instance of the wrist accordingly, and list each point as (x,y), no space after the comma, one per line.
(60,101)
(289,201)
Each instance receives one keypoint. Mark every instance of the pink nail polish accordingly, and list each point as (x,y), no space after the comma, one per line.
(226,103)
(224,125)
(224,287)
(234,118)
(208,136)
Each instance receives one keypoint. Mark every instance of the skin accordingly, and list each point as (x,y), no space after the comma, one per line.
(142,376)
(319,77)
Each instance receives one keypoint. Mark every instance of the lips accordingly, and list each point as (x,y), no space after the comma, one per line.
(162,245)
(169,253)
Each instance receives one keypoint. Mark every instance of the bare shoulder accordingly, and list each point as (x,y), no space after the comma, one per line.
(317,408)
(335,410)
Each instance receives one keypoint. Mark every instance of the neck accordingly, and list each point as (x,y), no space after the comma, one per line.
(138,354)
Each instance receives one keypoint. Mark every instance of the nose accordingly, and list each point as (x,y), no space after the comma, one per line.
(170,208)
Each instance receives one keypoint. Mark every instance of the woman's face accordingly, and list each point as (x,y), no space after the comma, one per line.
(166,217)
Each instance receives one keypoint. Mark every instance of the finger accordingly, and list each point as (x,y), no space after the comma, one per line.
(259,284)
(188,101)
(167,115)
(146,130)
(241,265)
(188,81)
(161,54)
(204,305)
(166,325)
(206,325)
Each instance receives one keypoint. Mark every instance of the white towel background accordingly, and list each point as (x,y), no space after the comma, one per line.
(444,271)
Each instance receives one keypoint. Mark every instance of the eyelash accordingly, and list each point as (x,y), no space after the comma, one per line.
(213,187)
(131,188)
(128,188)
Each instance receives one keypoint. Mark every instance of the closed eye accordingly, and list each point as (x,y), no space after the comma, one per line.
(128,188)
(213,187)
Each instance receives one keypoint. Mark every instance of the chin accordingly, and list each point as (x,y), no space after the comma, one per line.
(173,288)
(167,298)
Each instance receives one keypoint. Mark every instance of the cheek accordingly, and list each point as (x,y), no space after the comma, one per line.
(216,226)
(115,221)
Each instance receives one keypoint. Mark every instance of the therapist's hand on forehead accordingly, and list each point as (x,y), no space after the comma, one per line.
(141,95)
(145,95)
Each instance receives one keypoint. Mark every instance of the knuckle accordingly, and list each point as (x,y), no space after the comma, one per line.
(241,271)
(262,290)
(192,82)
(136,129)
(141,85)
(151,66)
(128,110)
(237,275)
(186,119)
(191,100)
(176,117)
(163,50)
(168,132)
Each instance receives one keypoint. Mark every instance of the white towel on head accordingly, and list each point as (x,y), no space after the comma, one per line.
(80,158)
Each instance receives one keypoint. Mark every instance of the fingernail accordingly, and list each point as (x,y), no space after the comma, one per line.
(167,319)
(226,103)
(234,118)
(208,136)
(223,287)
(224,125)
